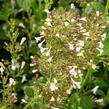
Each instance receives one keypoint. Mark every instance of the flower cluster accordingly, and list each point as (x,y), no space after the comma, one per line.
(68,45)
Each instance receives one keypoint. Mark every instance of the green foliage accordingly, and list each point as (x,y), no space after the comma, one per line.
(106,42)
(5,13)
(74,102)
(80,102)
(29,79)
(97,6)
(86,103)
(28,91)
(25,4)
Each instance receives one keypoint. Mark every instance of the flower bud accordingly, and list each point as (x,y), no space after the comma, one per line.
(23,64)
(22,40)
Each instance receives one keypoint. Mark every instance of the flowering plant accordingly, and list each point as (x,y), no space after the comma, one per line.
(53,56)
(68,47)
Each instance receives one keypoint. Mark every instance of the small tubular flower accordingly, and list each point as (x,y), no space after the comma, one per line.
(52,86)
(1,70)
(48,52)
(71,46)
(43,49)
(78,49)
(50,59)
(80,43)
(40,44)
(94,90)
(86,34)
(47,11)
(83,19)
(11,82)
(73,72)
(38,38)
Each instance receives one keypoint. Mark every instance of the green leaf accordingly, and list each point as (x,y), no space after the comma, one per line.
(3,16)
(29,91)
(25,4)
(87,10)
(100,92)
(100,82)
(97,6)
(5,13)
(106,42)
(74,101)
(86,103)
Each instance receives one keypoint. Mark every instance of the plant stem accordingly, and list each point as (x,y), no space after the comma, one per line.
(85,79)
(107,7)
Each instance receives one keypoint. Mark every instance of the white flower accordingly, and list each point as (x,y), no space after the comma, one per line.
(52,98)
(5,27)
(97,24)
(40,44)
(97,13)
(94,66)
(34,25)
(48,52)
(78,49)
(23,101)
(57,35)
(43,27)
(71,46)
(14,96)
(80,74)
(13,3)
(43,49)
(86,34)
(100,50)
(103,36)
(13,67)
(73,72)
(42,33)
(99,100)
(83,19)
(63,36)
(83,30)
(80,54)
(94,90)
(49,23)
(72,6)
(72,20)
(23,79)
(52,86)
(86,38)
(66,23)
(81,43)
(47,11)
(11,82)
(93,77)
(48,20)
(38,38)
(80,25)
(76,84)
(1,70)
(50,59)
(17,65)
(101,45)
(54,108)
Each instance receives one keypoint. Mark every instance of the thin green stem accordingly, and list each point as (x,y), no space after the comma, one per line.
(107,7)
(86,79)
